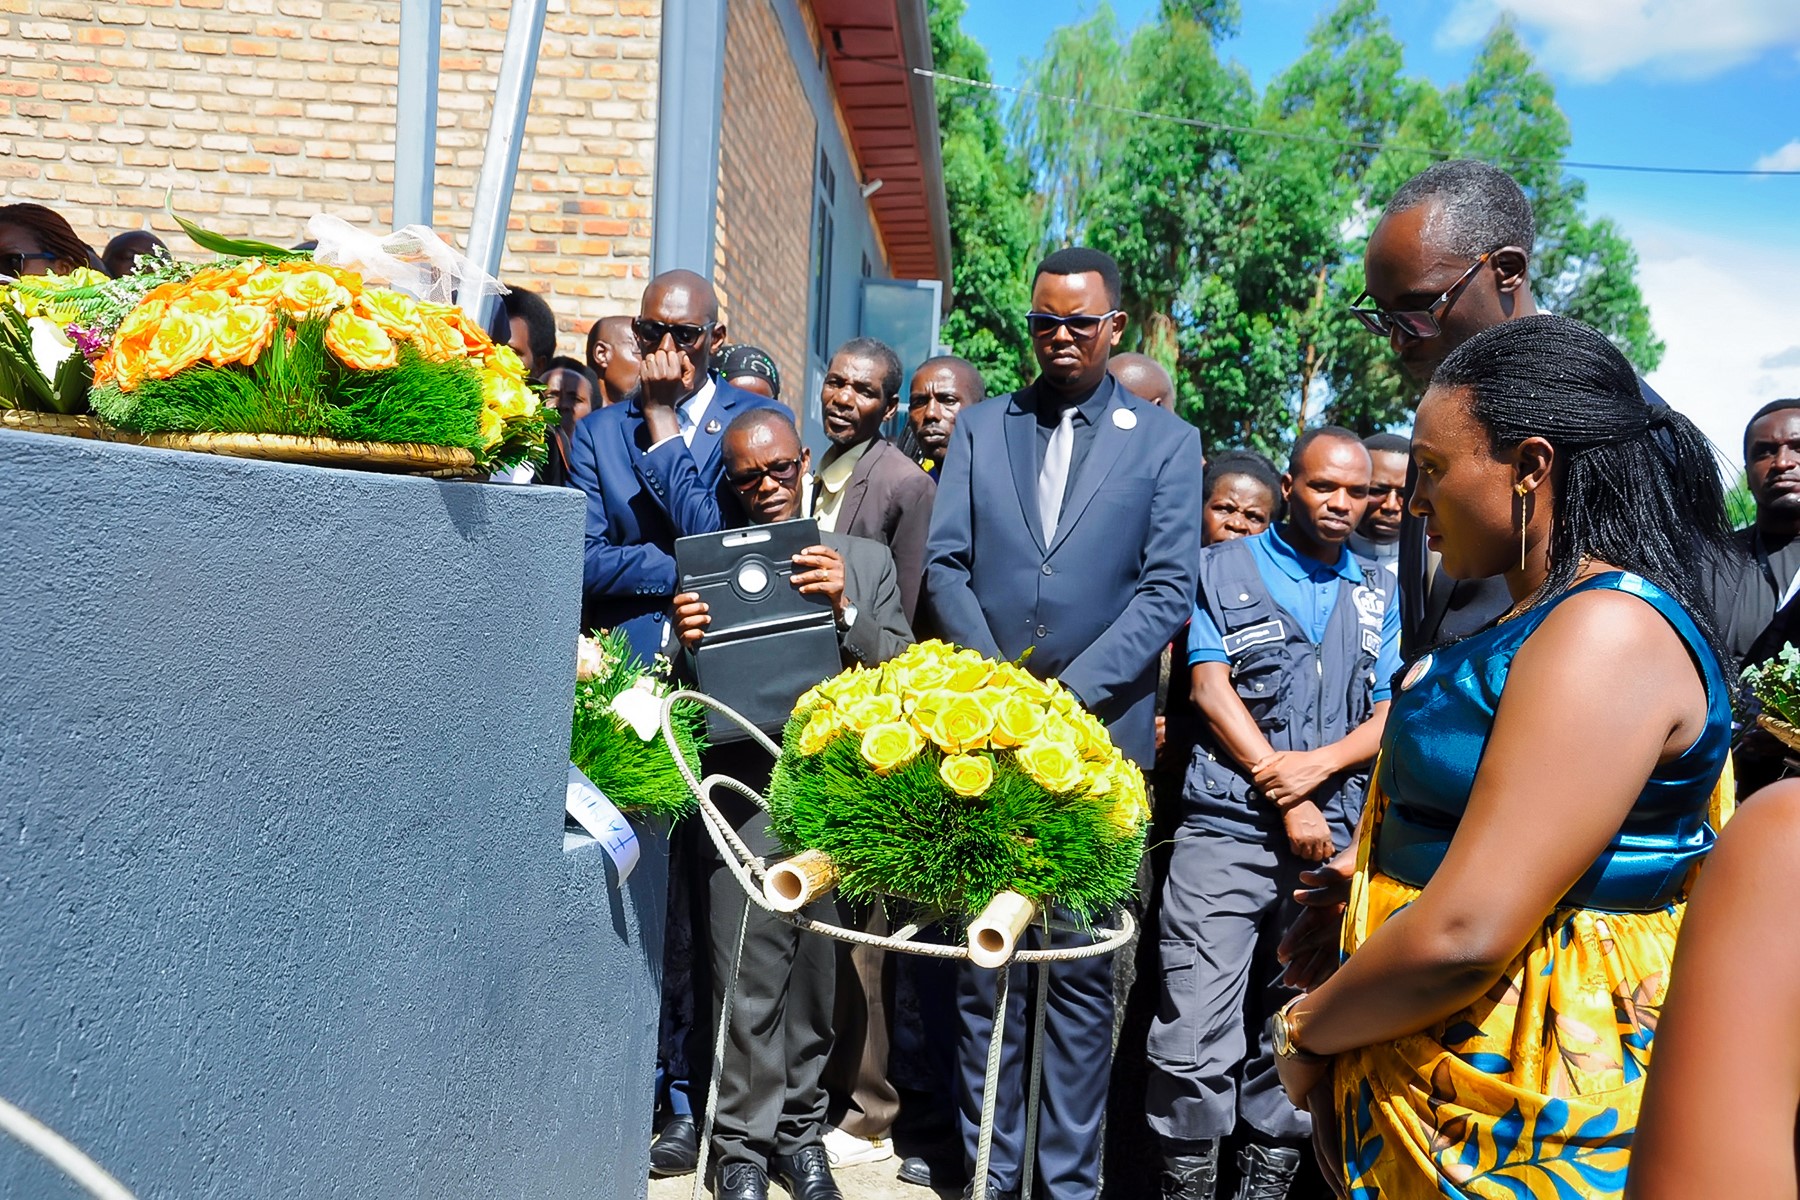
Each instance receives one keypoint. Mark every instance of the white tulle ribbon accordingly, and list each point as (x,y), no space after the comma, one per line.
(411,259)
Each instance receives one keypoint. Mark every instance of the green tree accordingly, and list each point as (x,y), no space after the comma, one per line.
(1241,252)
(993,229)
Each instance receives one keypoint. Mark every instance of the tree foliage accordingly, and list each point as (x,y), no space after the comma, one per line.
(1242,251)
(993,230)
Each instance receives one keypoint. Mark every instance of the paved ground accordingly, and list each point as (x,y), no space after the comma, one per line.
(873,1182)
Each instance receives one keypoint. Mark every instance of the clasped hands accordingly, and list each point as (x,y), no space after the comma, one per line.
(818,571)
(1287,778)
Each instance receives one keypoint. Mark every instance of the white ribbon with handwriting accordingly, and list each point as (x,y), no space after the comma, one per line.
(603,821)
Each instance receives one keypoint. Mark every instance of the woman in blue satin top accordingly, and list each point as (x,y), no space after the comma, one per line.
(1546,789)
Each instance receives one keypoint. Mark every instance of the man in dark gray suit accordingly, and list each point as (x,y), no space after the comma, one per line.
(1067,524)
(865,486)
(772,1103)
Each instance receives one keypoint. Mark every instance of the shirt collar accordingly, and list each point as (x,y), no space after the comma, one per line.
(1295,565)
(836,473)
(694,407)
(1088,411)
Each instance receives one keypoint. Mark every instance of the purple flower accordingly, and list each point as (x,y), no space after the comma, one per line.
(91,342)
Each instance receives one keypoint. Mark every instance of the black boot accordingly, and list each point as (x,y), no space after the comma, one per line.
(1268,1172)
(1190,1170)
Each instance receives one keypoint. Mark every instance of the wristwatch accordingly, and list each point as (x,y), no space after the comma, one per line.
(1282,1033)
(847,618)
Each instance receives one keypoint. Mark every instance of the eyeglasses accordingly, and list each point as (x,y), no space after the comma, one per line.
(650,334)
(784,472)
(1419,323)
(13,262)
(1081,326)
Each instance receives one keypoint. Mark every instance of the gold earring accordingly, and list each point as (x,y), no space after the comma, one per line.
(1520,490)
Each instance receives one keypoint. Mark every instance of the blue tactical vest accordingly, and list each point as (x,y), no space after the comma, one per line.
(1301,695)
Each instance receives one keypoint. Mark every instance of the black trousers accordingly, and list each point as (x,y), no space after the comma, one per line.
(771,1092)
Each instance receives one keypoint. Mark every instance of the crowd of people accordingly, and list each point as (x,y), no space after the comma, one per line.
(1441,729)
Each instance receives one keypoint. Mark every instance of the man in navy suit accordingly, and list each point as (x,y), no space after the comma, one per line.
(1067,524)
(651,466)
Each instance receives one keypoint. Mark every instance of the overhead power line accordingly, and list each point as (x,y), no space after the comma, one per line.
(1318,138)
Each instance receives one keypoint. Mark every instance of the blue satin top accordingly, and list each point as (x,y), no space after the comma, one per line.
(1437,730)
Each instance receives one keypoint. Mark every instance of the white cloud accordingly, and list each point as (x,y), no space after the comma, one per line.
(1594,40)
(1785,159)
(1728,314)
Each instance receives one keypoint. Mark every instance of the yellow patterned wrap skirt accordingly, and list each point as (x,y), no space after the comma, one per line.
(1533,1090)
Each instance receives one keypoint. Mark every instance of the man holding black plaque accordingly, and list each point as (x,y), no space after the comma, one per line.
(1077,541)
(772,1104)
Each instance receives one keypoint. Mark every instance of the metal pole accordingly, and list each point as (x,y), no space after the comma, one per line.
(415,112)
(500,165)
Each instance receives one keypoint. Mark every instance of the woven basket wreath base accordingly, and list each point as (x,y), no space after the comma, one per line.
(1786,734)
(438,462)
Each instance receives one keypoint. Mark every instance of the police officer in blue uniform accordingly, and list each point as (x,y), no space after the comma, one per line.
(1292,645)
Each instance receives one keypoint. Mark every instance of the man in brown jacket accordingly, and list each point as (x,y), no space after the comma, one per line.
(865,486)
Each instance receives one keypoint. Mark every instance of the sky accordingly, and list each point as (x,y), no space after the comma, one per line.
(1697,83)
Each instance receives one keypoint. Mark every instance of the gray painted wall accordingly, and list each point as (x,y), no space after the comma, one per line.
(284,905)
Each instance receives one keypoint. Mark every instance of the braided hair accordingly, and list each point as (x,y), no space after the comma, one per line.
(52,234)
(1637,485)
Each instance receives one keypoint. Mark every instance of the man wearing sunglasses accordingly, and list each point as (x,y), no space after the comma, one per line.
(771,1118)
(1067,525)
(1450,257)
(651,467)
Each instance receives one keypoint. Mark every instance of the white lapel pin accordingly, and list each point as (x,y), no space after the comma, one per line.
(713,426)
(1124,418)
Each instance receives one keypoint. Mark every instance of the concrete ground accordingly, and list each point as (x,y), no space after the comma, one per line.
(872,1182)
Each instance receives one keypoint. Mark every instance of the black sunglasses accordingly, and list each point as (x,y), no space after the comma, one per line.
(650,334)
(1418,323)
(784,472)
(1081,326)
(13,262)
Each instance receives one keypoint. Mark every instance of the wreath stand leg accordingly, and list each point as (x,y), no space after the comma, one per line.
(718,1062)
(1033,1097)
(990,1083)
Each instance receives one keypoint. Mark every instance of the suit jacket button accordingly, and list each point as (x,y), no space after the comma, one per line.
(1042,632)
(1047,569)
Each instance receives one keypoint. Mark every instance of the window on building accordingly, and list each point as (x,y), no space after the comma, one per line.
(824,195)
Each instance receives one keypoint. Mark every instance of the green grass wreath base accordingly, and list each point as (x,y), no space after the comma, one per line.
(637,775)
(906,835)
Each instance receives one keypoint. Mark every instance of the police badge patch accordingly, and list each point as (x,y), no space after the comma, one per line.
(1370,604)
(1253,635)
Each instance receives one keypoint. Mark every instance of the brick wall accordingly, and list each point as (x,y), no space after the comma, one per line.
(766,151)
(261,112)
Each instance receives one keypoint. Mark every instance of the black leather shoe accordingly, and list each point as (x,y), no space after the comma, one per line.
(994,1193)
(676,1150)
(915,1171)
(1193,1173)
(806,1173)
(741,1181)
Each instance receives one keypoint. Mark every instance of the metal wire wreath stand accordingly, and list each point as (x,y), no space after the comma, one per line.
(750,871)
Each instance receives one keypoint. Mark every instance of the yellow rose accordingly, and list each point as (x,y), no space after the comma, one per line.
(1091,736)
(181,340)
(865,712)
(491,429)
(818,732)
(1130,807)
(314,293)
(395,312)
(925,675)
(1055,766)
(961,723)
(205,303)
(1058,728)
(358,342)
(812,699)
(1017,720)
(886,747)
(437,340)
(969,672)
(239,334)
(261,286)
(506,394)
(504,358)
(967,774)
